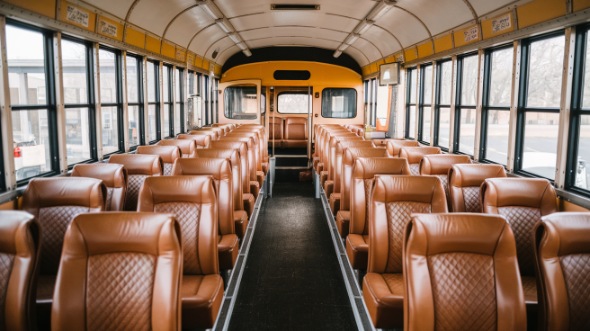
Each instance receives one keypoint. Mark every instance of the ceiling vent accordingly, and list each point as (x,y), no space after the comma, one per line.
(293,6)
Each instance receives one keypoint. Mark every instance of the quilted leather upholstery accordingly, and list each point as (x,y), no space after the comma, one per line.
(135,182)
(6,261)
(576,271)
(472,199)
(461,273)
(394,146)
(522,220)
(113,176)
(139,166)
(168,154)
(464,183)
(119,291)
(414,156)
(187,146)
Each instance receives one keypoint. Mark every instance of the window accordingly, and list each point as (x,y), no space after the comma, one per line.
(110,97)
(293,103)
(78,101)
(411,103)
(240,102)
(153,113)
(135,101)
(442,108)
(30,79)
(179,101)
(191,111)
(215,97)
(167,121)
(425,105)
(339,103)
(465,116)
(539,103)
(207,95)
(496,105)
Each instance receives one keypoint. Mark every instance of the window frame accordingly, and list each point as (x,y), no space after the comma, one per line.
(140,98)
(424,103)
(293,93)
(459,103)
(438,105)
(168,74)
(340,88)
(156,102)
(410,104)
(118,97)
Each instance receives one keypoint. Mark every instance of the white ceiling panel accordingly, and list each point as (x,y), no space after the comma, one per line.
(185,26)
(405,27)
(118,8)
(206,37)
(483,7)
(384,40)
(154,15)
(293,32)
(369,49)
(440,15)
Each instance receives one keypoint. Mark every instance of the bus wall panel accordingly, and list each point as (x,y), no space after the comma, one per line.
(539,11)
(135,37)
(581,5)
(45,8)
(410,54)
(109,28)
(79,16)
(153,44)
(568,206)
(443,43)
(498,25)
(425,49)
(168,50)
(467,35)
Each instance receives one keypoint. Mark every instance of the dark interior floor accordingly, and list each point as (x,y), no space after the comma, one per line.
(292,279)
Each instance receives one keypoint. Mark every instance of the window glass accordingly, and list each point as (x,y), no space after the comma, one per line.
(108,76)
(151,81)
(110,134)
(133,117)
(151,118)
(77,135)
(412,122)
(132,80)
(540,144)
(469,81)
(467,139)
(413,86)
(74,72)
(426,123)
(178,101)
(497,136)
(339,103)
(444,127)
(166,84)
(446,82)
(582,173)
(427,85)
(586,78)
(545,72)
(501,78)
(240,102)
(32,154)
(293,103)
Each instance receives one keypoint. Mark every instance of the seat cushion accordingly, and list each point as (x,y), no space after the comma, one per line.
(241,222)
(201,299)
(254,188)
(335,203)
(357,249)
(384,297)
(343,222)
(260,176)
(328,187)
(228,248)
(249,202)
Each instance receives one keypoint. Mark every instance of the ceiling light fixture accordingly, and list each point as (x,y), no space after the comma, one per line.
(210,8)
(247,52)
(380,8)
(363,26)
(224,25)
(351,38)
(234,37)
(337,54)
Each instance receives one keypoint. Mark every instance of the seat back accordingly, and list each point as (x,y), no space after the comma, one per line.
(394,200)
(113,176)
(464,185)
(219,132)
(340,148)
(250,154)
(296,132)
(414,156)
(332,145)
(233,156)
(202,139)
(19,255)
(460,273)
(262,138)
(256,151)
(275,130)
(394,147)
(54,202)
(193,201)
(220,171)
(169,154)
(119,271)
(439,165)
(348,158)
(522,201)
(187,146)
(139,167)
(562,251)
(242,149)
(363,176)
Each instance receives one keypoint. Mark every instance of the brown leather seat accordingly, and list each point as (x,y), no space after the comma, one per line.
(394,146)
(219,132)
(202,140)
(275,131)
(187,146)
(54,202)
(193,200)
(138,167)
(562,251)
(232,155)
(251,156)
(295,132)
(363,174)
(348,158)
(464,185)
(414,156)
(460,273)
(242,148)
(330,138)
(439,165)
(19,255)
(169,154)
(220,171)
(332,146)
(119,270)
(258,153)
(522,201)
(394,199)
(262,142)
(113,176)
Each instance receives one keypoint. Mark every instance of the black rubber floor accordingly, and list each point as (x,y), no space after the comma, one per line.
(292,280)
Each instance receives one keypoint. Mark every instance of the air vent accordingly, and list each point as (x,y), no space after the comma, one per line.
(293,6)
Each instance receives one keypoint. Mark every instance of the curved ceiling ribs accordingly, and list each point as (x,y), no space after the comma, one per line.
(369,29)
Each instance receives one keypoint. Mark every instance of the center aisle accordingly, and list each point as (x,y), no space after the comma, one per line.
(292,280)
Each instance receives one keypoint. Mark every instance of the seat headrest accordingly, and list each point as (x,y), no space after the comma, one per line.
(565,233)
(231,154)
(426,189)
(14,227)
(195,189)
(112,175)
(371,166)
(64,191)
(239,145)
(462,175)
(439,164)
(249,140)
(345,144)
(394,146)
(295,120)
(202,139)
(187,146)
(220,169)
(415,154)
(524,192)
(167,153)
(353,153)
(139,164)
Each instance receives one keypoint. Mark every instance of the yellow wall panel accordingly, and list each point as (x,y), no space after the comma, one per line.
(190,58)
(135,37)
(466,36)
(199,61)
(45,8)
(581,4)
(78,16)
(498,25)
(205,65)
(152,44)
(168,50)
(180,54)
(390,58)
(109,28)
(410,54)
(399,56)
(443,43)
(217,70)
(425,49)
(538,11)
